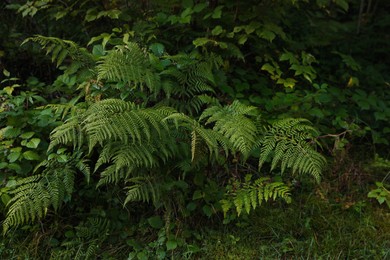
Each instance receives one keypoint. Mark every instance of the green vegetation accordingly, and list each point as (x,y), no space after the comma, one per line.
(194,129)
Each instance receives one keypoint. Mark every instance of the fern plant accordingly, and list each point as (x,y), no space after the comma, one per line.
(247,195)
(80,64)
(130,65)
(85,241)
(237,123)
(289,143)
(34,195)
(188,81)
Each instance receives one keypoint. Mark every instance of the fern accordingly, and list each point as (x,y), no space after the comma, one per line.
(60,49)
(187,80)
(89,235)
(35,194)
(289,143)
(246,196)
(236,123)
(130,65)
(143,189)
(82,62)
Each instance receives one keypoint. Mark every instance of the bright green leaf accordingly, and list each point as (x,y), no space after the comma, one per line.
(27,135)
(30,155)
(12,157)
(33,143)
(217,30)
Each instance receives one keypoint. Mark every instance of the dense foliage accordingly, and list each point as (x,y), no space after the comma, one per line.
(133,129)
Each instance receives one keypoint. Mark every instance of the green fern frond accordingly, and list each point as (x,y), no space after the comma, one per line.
(212,139)
(143,189)
(247,195)
(118,120)
(289,143)
(69,132)
(236,123)
(128,64)
(32,196)
(60,49)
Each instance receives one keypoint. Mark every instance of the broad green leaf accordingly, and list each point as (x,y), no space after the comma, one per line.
(5,198)
(217,30)
(197,195)
(12,157)
(6,73)
(33,143)
(155,222)
(30,155)
(27,135)
(267,35)
(269,68)
(207,210)
(199,7)
(8,90)
(3,165)
(201,41)
(217,12)
(157,48)
(98,50)
(171,244)
(242,39)
(343,4)
(191,206)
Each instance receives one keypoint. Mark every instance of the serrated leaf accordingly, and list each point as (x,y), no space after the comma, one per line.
(269,68)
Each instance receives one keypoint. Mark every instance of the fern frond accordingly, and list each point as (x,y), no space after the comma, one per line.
(249,194)
(69,132)
(32,196)
(236,123)
(289,143)
(128,64)
(60,49)
(118,120)
(143,189)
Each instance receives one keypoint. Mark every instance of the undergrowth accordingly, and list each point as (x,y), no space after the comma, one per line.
(310,228)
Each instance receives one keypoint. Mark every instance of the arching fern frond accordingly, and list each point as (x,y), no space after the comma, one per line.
(32,196)
(117,120)
(289,143)
(113,120)
(128,64)
(185,81)
(145,189)
(59,49)
(236,122)
(247,195)
(212,139)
